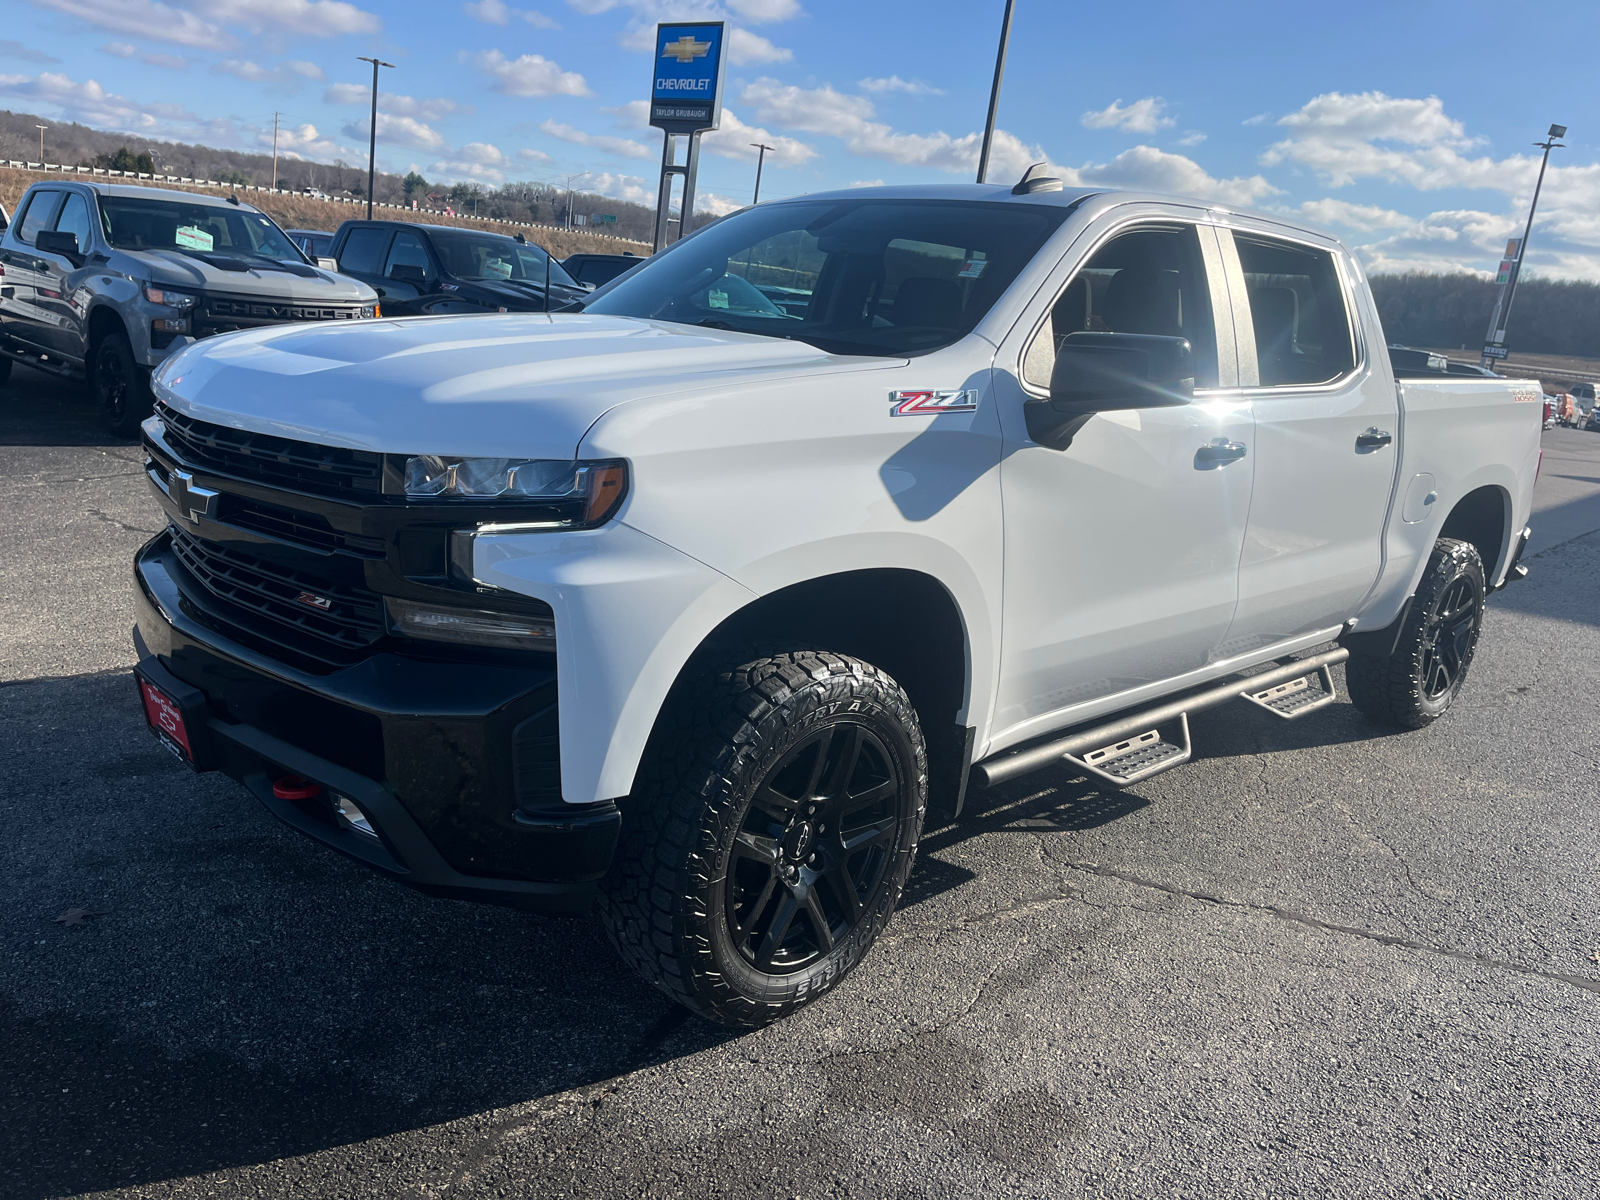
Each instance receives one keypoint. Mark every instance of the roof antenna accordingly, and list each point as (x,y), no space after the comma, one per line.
(234,199)
(1030,183)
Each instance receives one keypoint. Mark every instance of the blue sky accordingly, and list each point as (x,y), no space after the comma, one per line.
(1404,126)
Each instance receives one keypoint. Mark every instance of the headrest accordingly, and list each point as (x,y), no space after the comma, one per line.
(923,300)
(1143,300)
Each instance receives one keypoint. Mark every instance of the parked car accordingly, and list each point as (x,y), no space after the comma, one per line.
(693,608)
(105,281)
(433,270)
(1584,394)
(1549,410)
(317,245)
(1566,411)
(1593,422)
(1404,358)
(595,269)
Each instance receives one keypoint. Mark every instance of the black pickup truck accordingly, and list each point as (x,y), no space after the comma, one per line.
(427,270)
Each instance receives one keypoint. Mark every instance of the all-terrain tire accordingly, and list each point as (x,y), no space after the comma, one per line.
(121,386)
(1414,685)
(751,804)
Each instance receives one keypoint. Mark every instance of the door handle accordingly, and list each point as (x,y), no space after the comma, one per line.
(1218,452)
(1373,439)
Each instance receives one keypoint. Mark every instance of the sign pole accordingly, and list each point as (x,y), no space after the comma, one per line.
(1495,339)
(664,200)
(686,214)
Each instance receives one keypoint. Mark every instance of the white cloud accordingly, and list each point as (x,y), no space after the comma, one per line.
(534,156)
(746,48)
(146,19)
(1193,138)
(715,205)
(761,11)
(855,183)
(302,141)
(310,18)
(529,75)
(1343,138)
(1146,169)
(248,71)
(398,131)
(306,70)
(498,12)
(735,140)
(460,170)
(14,49)
(91,104)
(621,187)
(635,114)
(429,108)
(1258,119)
(1142,116)
(895,84)
(610,145)
(1362,217)
(171,62)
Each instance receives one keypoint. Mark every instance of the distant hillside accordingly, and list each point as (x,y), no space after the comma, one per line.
(533,201)
(1547,316)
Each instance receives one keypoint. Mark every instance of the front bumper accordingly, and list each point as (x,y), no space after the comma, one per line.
(440,754)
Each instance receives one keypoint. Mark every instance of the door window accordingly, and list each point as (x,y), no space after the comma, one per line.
(74,219)
(1297,313)
(1147,281)
(40,210)
(363,251)
(408,260)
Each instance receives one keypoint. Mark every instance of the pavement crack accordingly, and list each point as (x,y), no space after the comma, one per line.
(110,520)
(1309,922)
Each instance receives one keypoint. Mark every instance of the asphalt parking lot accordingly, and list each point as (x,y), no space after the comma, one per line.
(1321,960)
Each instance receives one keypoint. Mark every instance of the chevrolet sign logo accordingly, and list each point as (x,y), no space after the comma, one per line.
(685,49)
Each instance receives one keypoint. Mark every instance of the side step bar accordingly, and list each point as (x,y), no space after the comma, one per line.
(1134,743)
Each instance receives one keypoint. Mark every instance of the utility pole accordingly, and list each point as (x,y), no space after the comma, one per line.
(761,156)
(994,95)
(41,129)
(372,131)
(1495,338)
(570,178)
(275,117)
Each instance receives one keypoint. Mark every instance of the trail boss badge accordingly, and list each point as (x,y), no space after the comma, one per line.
(931,404)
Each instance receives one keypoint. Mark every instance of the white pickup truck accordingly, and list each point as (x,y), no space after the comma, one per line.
(692,602)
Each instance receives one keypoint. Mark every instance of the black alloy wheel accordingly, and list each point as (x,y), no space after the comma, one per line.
(1412,685)
(814,849)
(771,829)
(120,385)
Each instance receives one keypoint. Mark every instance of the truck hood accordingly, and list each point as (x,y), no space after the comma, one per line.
(500,386)
(289,281)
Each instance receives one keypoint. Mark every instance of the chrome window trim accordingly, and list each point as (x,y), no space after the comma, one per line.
(1201,219)
(1244,328)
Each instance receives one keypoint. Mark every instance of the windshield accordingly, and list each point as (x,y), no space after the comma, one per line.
(855,277)
(493,257)
(198,228)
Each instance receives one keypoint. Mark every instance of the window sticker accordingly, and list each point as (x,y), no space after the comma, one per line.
(717,299)
(192,238)
(496,268)
(972,269)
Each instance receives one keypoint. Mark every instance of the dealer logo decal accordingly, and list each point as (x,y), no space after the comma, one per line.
(931,403)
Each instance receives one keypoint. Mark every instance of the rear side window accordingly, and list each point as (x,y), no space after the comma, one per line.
(1147,281)
(363,251)
(40,212)
(1297,312)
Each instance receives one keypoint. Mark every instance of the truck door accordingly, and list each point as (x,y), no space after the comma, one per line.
(1326,419)
(61,300)
(1121,551)
(25,321)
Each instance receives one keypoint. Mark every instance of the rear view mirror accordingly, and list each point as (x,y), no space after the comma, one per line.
(57,241)
(1110,372)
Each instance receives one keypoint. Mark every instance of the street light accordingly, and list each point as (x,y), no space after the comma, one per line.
(761,155)
(372,131)
(1502,309)
(994,94)
(41,129)
(570,178)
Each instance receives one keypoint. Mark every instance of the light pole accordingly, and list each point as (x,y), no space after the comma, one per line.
(275,117)
(372,131)
(994,94)
(41,129)
(570,178)
(1502,309)
(761,157)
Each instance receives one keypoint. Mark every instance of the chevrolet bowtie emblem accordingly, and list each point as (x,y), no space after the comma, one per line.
(192,500)
(685,49)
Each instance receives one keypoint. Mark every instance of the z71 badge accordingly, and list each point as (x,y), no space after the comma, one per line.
(930,403)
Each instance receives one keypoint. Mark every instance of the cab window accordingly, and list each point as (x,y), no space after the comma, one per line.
(363,250)
(40,212)
(74,219)
(1297,312)
(1148,281)
(408,260)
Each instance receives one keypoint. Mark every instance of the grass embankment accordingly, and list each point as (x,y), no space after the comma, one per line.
(294,211)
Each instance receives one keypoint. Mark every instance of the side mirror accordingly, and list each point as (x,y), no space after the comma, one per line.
(57,241)
(1110,372)
(328,264)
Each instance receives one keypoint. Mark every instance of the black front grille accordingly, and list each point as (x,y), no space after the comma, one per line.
(332,614)
(226,314)
(292,525)
(276,461)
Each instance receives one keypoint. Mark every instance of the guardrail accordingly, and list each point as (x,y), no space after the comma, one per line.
(251,187)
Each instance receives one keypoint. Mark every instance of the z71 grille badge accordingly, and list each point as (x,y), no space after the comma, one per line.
(931,403)
(311,600)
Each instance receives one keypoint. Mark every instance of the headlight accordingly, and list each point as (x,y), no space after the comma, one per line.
(166,296)
(372,311)
(585,493)
(471,626)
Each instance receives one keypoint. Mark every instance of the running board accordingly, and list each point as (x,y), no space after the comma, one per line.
(1106,751)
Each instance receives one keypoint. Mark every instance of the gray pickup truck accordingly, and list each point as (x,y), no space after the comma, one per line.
(104,281)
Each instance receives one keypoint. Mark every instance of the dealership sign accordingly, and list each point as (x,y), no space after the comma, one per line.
(686,90)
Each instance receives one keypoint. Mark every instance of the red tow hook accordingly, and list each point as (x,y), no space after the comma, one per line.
(295,787)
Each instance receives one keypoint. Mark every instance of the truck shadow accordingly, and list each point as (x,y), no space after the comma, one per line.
(38,409)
